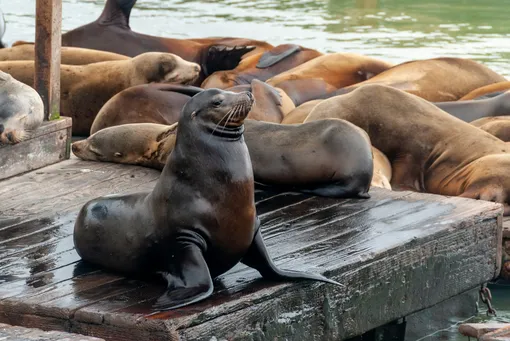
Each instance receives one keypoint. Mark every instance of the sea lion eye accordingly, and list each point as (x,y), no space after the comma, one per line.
(217,102)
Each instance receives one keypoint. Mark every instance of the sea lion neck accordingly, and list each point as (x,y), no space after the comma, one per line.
(227,133)
(116,12)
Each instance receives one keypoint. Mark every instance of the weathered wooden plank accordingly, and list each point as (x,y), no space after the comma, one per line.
(48,25)
(49,144)
(14,333)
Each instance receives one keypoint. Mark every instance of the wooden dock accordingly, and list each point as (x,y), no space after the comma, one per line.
(396,253)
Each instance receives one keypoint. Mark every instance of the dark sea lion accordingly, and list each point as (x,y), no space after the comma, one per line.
(429,150)
(21,110)
(69,55)
(111,32)
(148,103)
(336,69)
(261,66)
(329,158)
(199,220)
(299,114)
(498,126)
(436,79)
(85,89)
(487,91)
(162,103)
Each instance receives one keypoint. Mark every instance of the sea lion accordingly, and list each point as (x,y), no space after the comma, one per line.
(111,32)
(328,158)
(429,150)
(21,110)
(162,103)
(261,66)
(85,89)
(199,220)
(382,170)
(299,114)
(336,69)
(436,80)
(487,91)
(305,90)
(69,55)
(498,126)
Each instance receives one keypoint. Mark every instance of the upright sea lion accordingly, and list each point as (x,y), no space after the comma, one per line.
(85,89)
(329,157)
(261,66)
(69,55)
(336,69)
(199,220)
(299,114)
(382,170)
(21,110)
(436,79)
(429,150)
(162,103)
(498,126)
(111,32)
(487,91)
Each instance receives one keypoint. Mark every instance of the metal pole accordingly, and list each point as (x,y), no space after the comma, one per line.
(48,22)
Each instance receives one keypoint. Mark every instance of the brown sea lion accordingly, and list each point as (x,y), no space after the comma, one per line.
(21,110)
(299,114)
(111,32)
(85,89)
(382,170)
(200,219)
(336,69)
(261,66)
(162,103)
(329,157)
(498,126)
(487,91)
(69,55)
(305,90)
(436,79)
(429,150)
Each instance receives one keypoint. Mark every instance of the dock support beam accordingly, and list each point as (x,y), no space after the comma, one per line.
(47,55)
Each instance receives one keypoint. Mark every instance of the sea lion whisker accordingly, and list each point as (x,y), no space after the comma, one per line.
(219,122)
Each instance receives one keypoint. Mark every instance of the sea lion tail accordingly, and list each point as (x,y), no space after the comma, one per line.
(258,258)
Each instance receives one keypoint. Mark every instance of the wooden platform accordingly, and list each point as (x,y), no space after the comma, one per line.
(396,253)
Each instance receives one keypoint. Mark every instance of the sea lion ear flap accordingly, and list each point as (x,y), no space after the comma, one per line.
(188,277)
(222,58)
(276,55)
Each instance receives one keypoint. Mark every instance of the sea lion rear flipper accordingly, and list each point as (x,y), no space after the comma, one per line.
(258,258)
(276,55)
(188,278)
(222,58)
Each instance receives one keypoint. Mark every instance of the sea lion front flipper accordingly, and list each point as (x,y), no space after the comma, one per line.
(188,278)
(276,55)
(258,258)
(222,58)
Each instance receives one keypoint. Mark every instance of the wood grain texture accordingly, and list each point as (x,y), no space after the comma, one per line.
(396,253)
(49,144)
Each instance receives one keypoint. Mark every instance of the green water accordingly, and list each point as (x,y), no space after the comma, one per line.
(394,30)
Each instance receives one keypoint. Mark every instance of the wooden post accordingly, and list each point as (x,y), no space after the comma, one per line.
(47,55)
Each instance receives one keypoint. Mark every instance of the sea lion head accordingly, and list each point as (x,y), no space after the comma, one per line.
(135,144)
(217,109)
(159,67)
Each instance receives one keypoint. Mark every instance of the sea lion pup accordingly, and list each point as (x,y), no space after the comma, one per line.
(329,157)
(162,103)
(498,126)
(436,80)
(147,103)
(471,110)
(86,88)
(299,114)
(429,150)
(261,66)
(382,170)
(487,91)
(21,110)
(69,55)
(111,32)
(336,69)
(200,219)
